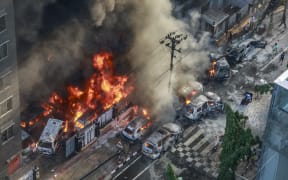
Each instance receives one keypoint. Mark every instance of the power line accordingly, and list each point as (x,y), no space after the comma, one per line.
(171,41)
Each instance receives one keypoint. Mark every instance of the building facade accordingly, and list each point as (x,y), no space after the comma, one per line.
(10,141)
(274,160)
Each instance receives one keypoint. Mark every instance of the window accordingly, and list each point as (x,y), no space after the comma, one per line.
(6,106)
(3,50)
(5,81)
(7,134)
(2,23)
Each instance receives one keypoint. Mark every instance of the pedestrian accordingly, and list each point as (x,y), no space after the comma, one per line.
(275,48)
(252,22)
(282,56)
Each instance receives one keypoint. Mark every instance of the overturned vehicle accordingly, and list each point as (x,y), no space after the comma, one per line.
(202,106)
(161,140)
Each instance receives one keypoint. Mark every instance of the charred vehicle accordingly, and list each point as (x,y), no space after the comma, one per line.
(136,129)
(49,139)
(219,69)
(236,55)
(161,140)
(203,105)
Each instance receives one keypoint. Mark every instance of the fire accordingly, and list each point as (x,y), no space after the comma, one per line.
(212,70)
(187,101)
(66,126)
(100,92)
(23,124)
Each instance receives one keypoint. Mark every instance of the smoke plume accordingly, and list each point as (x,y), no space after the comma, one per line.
(152,21)
(126,27)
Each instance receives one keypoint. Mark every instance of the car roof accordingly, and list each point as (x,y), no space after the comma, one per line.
(137,122)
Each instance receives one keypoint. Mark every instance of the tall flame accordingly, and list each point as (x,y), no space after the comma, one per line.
(103,89)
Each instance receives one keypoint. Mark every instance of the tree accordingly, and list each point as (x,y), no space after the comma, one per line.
(263,89)
(170,173)
(236,144)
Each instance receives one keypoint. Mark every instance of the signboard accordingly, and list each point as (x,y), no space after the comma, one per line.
(14,164)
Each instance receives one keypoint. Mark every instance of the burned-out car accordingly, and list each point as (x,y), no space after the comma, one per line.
(203,105)
(236,55)
(136,129)
(161,140)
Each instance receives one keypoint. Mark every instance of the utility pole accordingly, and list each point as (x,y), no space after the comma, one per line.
(171,40)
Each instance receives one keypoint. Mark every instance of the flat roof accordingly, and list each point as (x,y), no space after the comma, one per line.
(214,17)
(282,80)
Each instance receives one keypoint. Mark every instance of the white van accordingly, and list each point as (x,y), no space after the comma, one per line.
(48,141)
(161,140)
(136,129)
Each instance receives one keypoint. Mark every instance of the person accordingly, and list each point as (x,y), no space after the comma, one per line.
(282,56)
(252,22)
(275,48)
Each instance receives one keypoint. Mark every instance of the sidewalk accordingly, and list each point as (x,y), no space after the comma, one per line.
(81,163)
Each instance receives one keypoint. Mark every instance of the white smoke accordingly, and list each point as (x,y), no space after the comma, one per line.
(152,21)
(99,10)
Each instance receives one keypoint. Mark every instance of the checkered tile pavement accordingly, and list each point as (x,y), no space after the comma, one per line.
(197,145)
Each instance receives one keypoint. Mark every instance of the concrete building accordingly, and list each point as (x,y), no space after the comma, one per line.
(10,141)
(224,14)
(274,160)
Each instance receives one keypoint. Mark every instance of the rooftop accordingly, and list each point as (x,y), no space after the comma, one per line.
(214,17)
(282,80)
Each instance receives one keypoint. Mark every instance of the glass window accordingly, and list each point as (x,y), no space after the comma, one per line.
(5,81)
(7,134)
(3,50)
(6,106)
(2,23)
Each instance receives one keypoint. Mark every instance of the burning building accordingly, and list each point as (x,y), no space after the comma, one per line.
(91,105)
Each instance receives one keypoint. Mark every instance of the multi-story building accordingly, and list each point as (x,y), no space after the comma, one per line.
(10,133)
(274,160)
(218,16)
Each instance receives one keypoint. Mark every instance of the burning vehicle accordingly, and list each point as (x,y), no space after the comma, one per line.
(203,105)
(136,129)
(219,69)
(161,140)
(49,139)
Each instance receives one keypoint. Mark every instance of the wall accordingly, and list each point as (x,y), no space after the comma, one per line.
(12,147)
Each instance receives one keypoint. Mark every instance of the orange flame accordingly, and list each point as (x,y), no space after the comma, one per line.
(103,89)
(212,70)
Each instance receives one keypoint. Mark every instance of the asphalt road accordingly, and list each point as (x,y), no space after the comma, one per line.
(137,169)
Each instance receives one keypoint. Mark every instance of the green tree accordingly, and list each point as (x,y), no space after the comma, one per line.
(170,173)
(263,89)
(236,144)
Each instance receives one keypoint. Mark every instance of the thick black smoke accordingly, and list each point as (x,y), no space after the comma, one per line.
(57,38)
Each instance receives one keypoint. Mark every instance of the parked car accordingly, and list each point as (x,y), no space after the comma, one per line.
(258,44)
(161,140)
